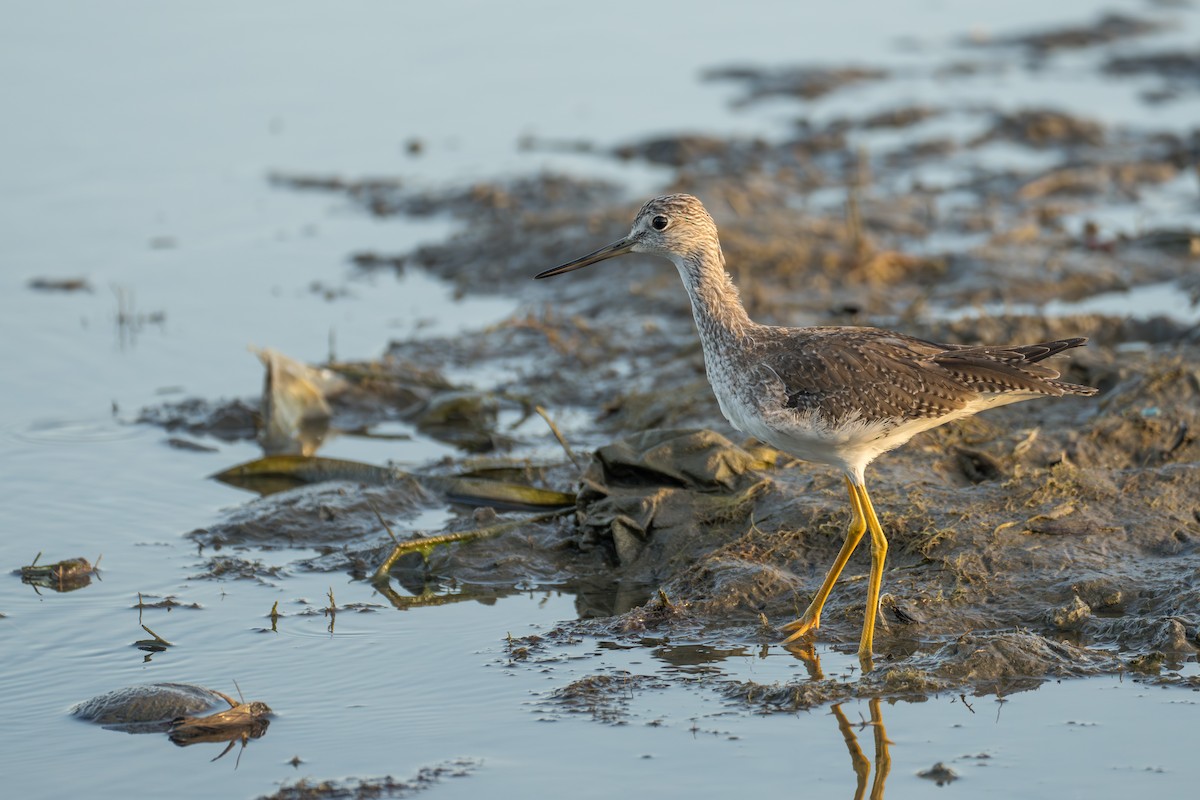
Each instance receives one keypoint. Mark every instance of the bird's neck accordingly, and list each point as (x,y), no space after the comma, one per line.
(716,304)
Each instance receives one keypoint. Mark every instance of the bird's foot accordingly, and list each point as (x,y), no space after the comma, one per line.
(801,627)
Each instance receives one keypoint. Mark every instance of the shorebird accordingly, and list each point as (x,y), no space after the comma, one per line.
(838,396)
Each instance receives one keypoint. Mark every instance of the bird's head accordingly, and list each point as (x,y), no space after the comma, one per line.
(675,226)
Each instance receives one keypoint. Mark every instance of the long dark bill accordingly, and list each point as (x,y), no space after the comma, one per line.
(611,251)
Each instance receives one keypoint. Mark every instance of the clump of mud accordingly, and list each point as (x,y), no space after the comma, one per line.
(1108,28)
(604,697)
(228,421)
(386,787)
(1178,71)
(808,83)
(1042,128)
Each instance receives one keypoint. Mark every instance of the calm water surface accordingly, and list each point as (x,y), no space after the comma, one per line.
(139,137)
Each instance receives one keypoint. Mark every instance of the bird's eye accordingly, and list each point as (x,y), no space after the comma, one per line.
(660,222)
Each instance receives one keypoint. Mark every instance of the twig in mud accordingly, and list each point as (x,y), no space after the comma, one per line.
(383,522)
(558,435)
(331,611)
(858,241)
(1022,446)
(157,638)
(425,545)
(527,405)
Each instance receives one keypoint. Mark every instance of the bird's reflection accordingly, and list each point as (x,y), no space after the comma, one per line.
(862,764)
(807,654)
(858,760)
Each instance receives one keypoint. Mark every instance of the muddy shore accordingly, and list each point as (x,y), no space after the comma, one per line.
(1047,539)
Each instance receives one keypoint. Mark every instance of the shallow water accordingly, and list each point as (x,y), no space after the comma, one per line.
(389,692)
(1166,299)
(146,136)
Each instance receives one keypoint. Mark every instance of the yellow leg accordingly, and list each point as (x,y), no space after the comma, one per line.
(879,548)
(811,620)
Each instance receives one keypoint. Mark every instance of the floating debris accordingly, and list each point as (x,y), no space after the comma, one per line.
(149,708)
(295,412)
(241,721)
(939,773)
(174,709)
(187,444)
(61,576)
(59,285)
(155,645)
(169,602)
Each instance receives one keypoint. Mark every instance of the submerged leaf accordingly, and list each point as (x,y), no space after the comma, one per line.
(296,470)
(275,473)
(499,494)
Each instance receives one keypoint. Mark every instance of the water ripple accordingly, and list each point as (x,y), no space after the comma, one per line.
(72,430)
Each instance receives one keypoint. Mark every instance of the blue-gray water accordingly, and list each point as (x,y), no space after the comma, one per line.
(138,138)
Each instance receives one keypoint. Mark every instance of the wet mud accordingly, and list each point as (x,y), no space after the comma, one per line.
(385,787)
(1053,538)
(1106,29)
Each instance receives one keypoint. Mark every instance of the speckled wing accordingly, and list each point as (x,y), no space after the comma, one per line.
(879,376)
(1005,370)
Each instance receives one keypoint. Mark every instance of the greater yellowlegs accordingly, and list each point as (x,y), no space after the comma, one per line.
(833,395)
